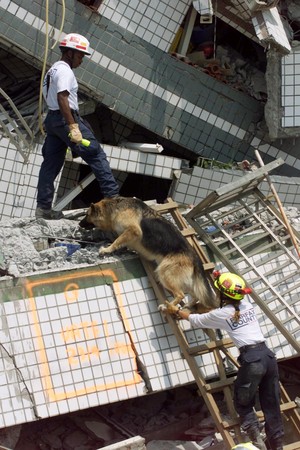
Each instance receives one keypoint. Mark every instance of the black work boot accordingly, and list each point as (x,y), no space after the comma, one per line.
(255,437)
(48,214)
(277,443)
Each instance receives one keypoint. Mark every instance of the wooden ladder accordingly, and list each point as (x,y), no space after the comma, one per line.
(227,424)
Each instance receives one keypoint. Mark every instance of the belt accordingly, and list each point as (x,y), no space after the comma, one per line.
(247,347)
(57,111)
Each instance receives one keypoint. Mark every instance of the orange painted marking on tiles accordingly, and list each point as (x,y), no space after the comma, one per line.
(80,353)
(71,292)
(83,330)
(105,327)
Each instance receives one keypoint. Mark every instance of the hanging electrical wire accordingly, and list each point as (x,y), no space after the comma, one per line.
(46,56)
(44,69)
(61,25)
(215,28)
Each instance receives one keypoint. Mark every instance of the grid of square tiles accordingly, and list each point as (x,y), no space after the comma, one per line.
(19,181)
(133,161)
(290,93)
(70,348)
(193,185)
(269,29)
(155,21)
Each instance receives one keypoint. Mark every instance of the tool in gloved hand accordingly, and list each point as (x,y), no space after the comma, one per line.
(76,136)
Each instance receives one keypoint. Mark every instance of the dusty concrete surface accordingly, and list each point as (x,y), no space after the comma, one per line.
(28,245)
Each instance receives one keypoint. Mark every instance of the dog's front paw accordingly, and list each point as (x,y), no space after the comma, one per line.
(162,308)
(104,250)
(169,308)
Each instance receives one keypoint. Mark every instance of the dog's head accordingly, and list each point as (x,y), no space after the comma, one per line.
(98,215)
(87,222)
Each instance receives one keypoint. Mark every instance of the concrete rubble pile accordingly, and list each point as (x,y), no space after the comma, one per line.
(28,245)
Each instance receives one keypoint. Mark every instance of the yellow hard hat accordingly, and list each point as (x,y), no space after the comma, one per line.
(231,285)
(246,446)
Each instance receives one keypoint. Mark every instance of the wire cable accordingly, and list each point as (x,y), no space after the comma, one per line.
(61,25)
(44,69)
(46,56)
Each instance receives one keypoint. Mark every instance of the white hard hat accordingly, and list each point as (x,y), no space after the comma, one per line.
(76,42)
(245,446)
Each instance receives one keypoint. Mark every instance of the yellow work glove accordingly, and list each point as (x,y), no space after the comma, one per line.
(75,134)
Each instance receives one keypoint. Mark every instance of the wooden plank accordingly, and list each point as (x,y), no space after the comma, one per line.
(293,446)
(219,385)
(209,346)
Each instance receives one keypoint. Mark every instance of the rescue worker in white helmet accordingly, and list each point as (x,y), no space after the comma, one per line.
(258,369)
(65,128)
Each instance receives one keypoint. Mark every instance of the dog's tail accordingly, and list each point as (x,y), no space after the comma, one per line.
(203,292)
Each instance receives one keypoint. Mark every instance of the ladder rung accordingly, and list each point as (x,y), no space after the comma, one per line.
(209,346)
(270,272)
(281,308)
(287,277)
(186,232)
(287,406)
(230,423)
(270,258)
(208,266)
(219,385)
(283,407)
(293,446)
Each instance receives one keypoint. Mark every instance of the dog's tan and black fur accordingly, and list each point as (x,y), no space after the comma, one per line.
(140,228)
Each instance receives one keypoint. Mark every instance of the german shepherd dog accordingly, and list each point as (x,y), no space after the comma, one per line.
(140,228)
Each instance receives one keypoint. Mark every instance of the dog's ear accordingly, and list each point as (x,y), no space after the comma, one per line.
(93,208)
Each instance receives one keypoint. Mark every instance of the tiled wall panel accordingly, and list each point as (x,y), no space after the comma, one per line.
(290,94)
(196,184)
(155,21)
(142,82)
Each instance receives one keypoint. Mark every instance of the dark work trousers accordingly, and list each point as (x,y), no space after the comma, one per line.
(258,372)
(54,152)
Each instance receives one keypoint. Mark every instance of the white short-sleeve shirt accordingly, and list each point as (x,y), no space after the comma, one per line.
(60,77)
(244,332)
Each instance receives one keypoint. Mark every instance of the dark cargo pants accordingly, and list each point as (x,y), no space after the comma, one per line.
(54,152)
(259,372)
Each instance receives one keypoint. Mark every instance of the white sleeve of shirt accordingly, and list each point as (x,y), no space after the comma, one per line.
(214,319)
(64,79)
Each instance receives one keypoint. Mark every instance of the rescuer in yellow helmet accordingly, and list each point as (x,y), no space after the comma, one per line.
(258,369)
